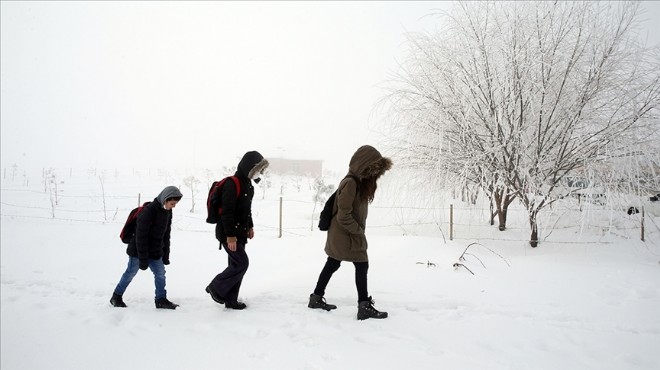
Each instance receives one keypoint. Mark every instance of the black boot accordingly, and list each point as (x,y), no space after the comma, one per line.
(214,295)
(236,305)
(317,301)
(116,300)
(366,310)
(164,303)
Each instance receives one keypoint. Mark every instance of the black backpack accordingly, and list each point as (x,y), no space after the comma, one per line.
(128,231)
(214,199)
(326,214)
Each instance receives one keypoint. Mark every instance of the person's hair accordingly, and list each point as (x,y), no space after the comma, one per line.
(368,188)
(172,198)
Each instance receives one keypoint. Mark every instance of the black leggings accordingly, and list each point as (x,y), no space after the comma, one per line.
(332,265)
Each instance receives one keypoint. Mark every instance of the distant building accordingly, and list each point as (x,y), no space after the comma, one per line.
(299,167)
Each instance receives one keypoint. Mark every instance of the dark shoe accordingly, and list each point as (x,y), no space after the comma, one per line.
(164,303)
(317,301)
(236,305)
(214,295)
(116,300)
(366,310)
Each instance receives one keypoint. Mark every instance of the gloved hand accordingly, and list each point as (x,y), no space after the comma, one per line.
(144,264)
(166,261)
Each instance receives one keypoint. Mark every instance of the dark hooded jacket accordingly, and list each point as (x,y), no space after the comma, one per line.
(346,240)
(152,233)
(236,217)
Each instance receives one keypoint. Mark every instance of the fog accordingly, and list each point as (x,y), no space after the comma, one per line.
(196,84)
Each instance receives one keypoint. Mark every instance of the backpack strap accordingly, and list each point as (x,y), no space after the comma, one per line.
(356,179)
(238,185)
(357,183)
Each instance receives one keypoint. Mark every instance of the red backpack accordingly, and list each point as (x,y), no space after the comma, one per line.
(214,199)
(128,231)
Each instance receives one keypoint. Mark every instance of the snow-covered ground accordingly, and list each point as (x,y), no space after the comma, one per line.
(593,303)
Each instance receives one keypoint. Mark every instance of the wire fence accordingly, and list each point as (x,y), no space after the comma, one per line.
(291,216)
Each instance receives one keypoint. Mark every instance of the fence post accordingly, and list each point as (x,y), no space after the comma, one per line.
(138,199)
(451,222)
(642,223)
(280,217)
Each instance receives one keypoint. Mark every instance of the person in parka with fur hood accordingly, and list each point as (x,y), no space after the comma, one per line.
(235,228)
(150,247)
(346,240)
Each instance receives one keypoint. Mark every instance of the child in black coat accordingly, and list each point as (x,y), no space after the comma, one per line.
(150,247)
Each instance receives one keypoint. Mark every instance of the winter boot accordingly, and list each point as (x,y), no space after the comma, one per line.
(317,301)
(366,310)
(116,300)
(164,303)
(214,295)
(236,305)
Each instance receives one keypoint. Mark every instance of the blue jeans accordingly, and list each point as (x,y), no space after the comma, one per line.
(156,266)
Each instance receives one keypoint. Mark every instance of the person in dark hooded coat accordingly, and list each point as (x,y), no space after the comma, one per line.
(346,240)
(235,228)
(150,247)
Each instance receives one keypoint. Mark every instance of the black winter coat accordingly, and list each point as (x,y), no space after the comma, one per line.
(152,233)
(236,217)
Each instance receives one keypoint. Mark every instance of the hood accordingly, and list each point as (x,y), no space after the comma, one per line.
(368,162)
(251,165)
(169,192)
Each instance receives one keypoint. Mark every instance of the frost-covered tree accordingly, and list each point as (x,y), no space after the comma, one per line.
(191,183)
(321,192)
(265,184)
(514,96)
(50,186)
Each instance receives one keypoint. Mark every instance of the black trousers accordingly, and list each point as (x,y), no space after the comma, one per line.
(228,283)
(332,265)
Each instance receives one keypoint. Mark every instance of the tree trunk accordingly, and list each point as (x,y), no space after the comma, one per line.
(502,201)
(192,210)
(473,196)
(502,218)
(534,238)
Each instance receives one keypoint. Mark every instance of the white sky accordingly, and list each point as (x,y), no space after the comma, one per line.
(181,84)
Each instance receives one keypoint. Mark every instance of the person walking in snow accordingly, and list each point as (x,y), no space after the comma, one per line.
(234,228)
(346,240)
(150,247)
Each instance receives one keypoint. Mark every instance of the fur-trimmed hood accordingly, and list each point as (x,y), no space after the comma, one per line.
(252,163)
(368,162)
